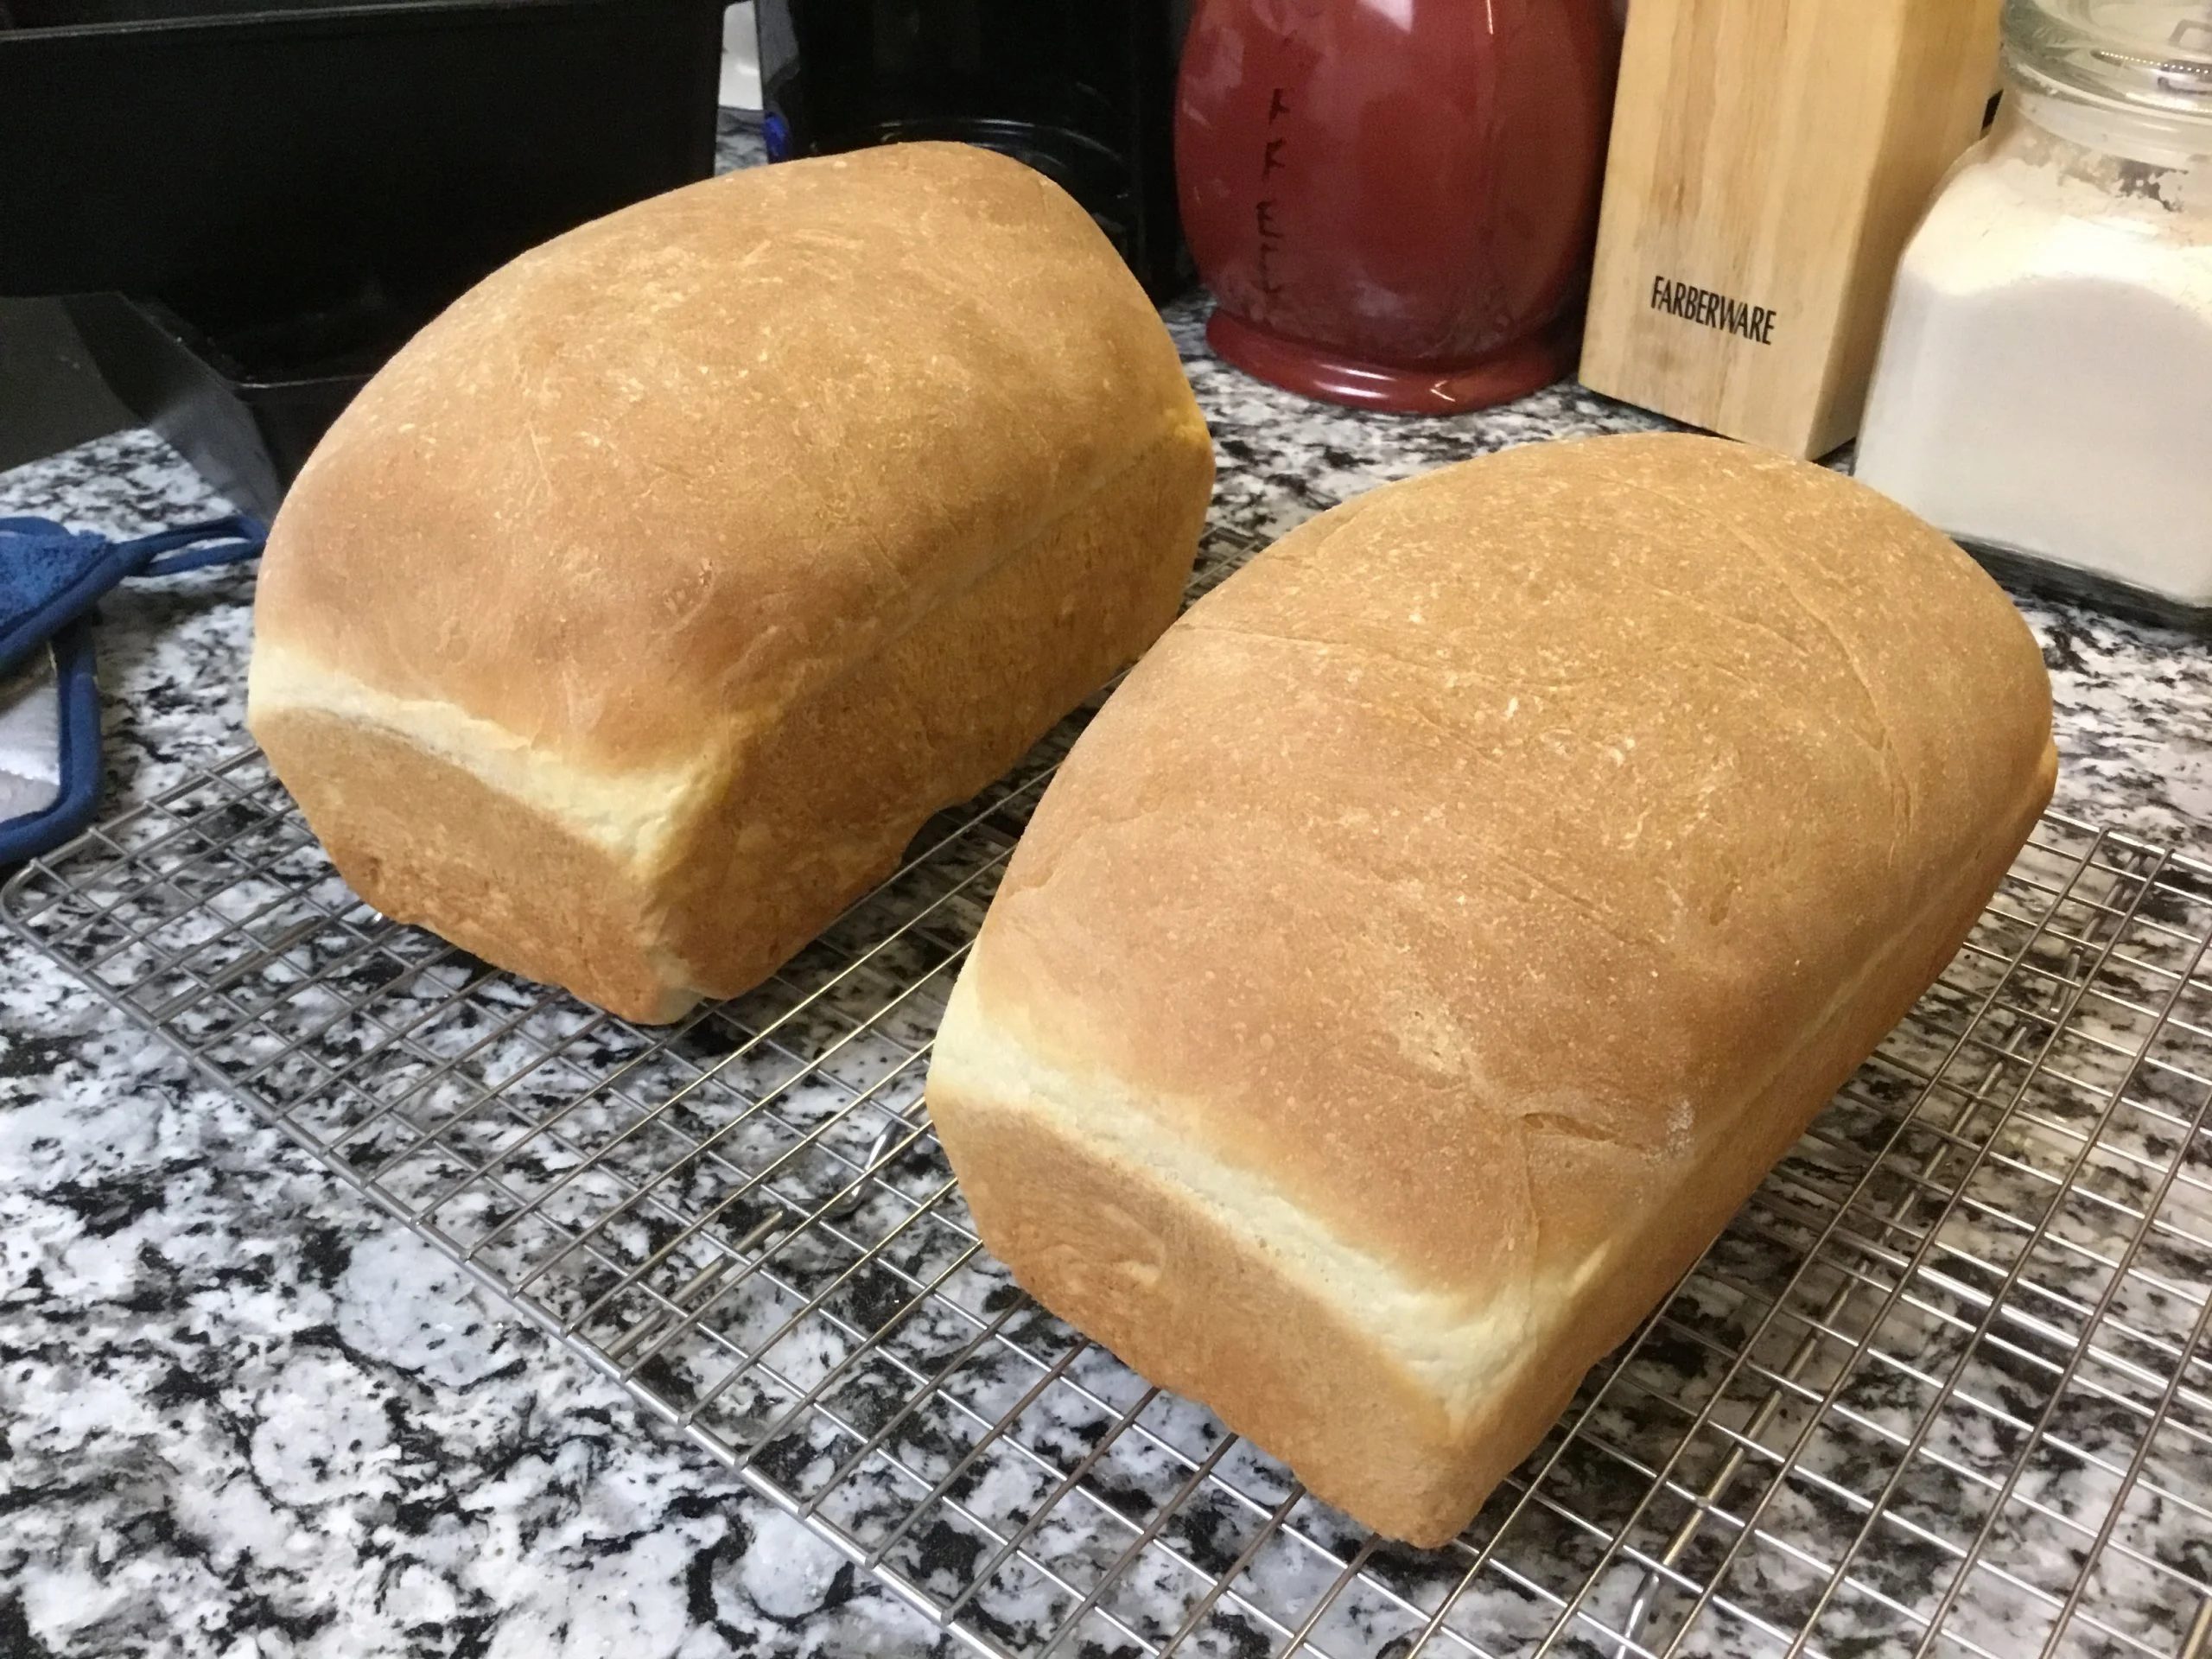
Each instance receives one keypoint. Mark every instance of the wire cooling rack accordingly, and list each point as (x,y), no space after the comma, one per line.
(1944,1386)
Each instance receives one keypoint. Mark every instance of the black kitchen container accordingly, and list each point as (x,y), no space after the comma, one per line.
(1081,90)
(287,193)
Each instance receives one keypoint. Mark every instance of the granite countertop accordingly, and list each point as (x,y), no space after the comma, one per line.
(241,1412)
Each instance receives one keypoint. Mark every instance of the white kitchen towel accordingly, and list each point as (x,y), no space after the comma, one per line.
(30,737)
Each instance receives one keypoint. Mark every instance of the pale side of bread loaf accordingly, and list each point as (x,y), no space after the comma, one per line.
(1450,922)
(633,618)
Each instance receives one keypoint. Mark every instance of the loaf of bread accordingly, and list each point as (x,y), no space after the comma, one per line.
(1445,927)
(633,618)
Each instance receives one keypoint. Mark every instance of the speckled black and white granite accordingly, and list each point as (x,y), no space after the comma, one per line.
(240,1413)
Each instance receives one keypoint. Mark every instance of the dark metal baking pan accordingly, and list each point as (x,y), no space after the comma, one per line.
(288,192)
(246,407)
(256,160)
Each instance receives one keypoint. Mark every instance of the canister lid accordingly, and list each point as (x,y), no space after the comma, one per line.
(2148,54)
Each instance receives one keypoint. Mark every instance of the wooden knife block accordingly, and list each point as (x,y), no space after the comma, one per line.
(1769,161)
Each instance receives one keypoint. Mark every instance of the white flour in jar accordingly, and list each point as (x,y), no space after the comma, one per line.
(2046,383)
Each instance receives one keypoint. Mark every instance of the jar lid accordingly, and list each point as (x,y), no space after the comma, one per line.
(2148,54)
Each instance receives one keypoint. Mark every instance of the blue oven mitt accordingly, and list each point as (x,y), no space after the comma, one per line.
(51,577)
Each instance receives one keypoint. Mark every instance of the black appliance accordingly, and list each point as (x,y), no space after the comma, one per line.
(1081,90)
(287,189)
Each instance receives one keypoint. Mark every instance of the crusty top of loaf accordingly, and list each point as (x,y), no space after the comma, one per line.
(679,466)
(1514,824)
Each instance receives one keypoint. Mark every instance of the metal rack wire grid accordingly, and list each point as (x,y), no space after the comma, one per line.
(1944,1386)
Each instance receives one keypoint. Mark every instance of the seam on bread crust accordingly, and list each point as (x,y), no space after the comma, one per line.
(1457,1355)
(631,815)
(640,816)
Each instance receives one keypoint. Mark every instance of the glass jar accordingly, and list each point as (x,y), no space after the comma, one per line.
(2044,385)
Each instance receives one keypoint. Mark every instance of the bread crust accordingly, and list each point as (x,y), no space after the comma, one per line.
(702,553)
(1509,1018)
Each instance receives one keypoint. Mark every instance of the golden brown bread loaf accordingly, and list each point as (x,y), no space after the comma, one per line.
(1445,928)
(629,623)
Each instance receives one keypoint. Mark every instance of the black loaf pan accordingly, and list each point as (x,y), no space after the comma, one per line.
(286,193)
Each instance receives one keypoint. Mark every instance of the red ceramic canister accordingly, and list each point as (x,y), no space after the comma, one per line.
(1395,201)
